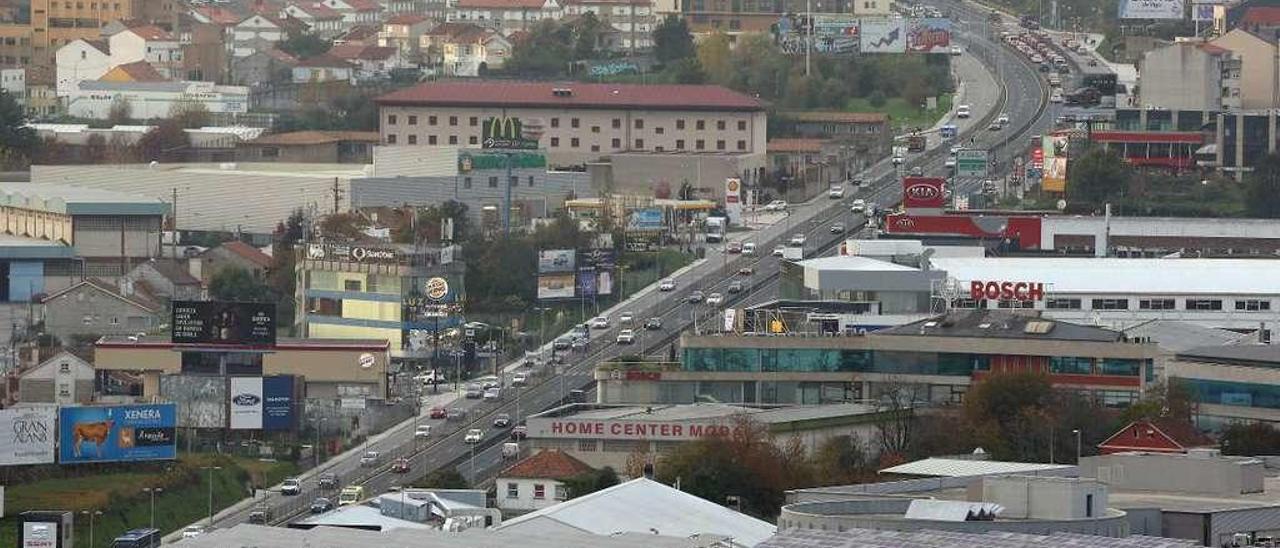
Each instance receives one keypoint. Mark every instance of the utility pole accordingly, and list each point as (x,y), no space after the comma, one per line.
(337,195)
(173,224)
(808,43)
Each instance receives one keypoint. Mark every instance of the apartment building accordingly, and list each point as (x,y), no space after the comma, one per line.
(633,20)
(1190,76)
(579,122)
(504,15)
(734,16)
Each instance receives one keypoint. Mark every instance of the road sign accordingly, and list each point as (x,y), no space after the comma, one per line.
(971,163)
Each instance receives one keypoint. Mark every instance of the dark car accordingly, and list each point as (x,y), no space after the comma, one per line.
(503,420)
(328,481)
(518,433)
(695,297)
(439,413)
(321,505)
(735,287)
(653,324)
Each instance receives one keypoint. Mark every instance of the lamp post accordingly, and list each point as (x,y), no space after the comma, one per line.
(152,492)
(211,469)
(91,514)
(1077,433)
(315,450)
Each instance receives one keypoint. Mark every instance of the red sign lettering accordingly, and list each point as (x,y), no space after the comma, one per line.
(1006,291)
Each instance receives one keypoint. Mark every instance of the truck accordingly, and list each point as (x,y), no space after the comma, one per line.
(915,143)
(716,227)
(793,253)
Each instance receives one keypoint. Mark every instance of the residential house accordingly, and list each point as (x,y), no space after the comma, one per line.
(1257,67)
(215,15)
(319,18)
(151,44)
(14,82)
(256,31)
(403,32)
(263,67)
(166,279)
(537,482)
(431,42)
(93,308)
(359,35)
(1162,435)
(137,71)
(205,52)
(329,147)
(505,15)
(323,68)
(355,12)
(1190,76)
(1260,20)
(633,20)
(42,96)
(474,52)
(371,62)
(64,379)
(81,60)
(865,136)
(233,254)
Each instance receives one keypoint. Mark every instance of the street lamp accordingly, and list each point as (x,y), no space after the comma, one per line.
(91,514)
(152,491)
(1077,433)
(315,450)
(211,469)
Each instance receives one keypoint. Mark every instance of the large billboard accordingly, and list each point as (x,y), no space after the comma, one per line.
(219,323)
(262,403)
(117,433)
(1152,9)
(733,200)
(1055,174)
(246,403)
(932,35)
(201,399)
(830,35)
(556,260)
(884,36)
(353,253)
(556,286)
(923,193)
(509,132)
(27,435)
(646,220)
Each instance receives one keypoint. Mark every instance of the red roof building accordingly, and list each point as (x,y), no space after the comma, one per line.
(572,95)
(1155,436)
(551,464)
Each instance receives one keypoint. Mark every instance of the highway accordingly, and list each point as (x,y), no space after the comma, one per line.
(1024,102)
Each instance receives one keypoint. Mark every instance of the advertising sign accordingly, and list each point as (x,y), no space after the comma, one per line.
(884,36)
(556,260)
(923,192)
(353,253)
(1152,9)
(931,35)
(645,220)
(586,283)
(604,282)
(971,163)
(1009,291)
(116,433)
(830,35)
(1055,175)
(506,132)
(39,534)
(596,258)
(733,200)
(27,435)
(556,286)
(1037,158)
(278,403)
(1055,146)
(567,428)
(207,322)
(246,403)
(202,400)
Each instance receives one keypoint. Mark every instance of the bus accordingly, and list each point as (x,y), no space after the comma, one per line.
(138,538)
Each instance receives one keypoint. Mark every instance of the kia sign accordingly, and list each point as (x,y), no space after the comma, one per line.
(27,435)
(220,323)
(923,193)
(1006,291)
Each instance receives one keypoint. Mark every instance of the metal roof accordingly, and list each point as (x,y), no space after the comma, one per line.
(852,263)
(257,536)
(1123,276)
(74,200)
(876,538)
(1178,336)
(954,468)
(950,510)
(363,516)
(1243,354)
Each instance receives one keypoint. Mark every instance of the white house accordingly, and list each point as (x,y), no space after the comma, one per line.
(370,61)
(14,82)
(535,483)
(323,68)
(632,19)
(247,35)
(63,379)
(355,12)
(93,99)
(505,15)
(464,53)
(148,43)
(80,60)
(320,19)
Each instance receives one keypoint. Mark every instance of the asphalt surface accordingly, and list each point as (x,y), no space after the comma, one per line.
(1026,95)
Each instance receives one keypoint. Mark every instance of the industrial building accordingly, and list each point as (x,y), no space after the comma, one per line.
(1232,383)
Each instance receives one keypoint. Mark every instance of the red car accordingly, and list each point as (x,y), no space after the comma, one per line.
(400,466)
(439,413)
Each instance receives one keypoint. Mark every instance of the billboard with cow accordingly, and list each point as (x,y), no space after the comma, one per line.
(923,193)
(117,433)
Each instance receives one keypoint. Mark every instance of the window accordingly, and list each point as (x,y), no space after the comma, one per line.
(720,125)
(595,129)
(1062,304)
(473,121)
(588,445)
(616,143)
(701,125)
(639,143)
(473,140)
(555,142)
(413,119)
(493,182)
(1066,365)
(742,125)
(700,144)
(742,145)
(555,122)
(539,491)
(573,142)
(617,123)
(679,144)
(391,119)
(595,148)
(1111,304)
(1156,304)
(530,180)
(573,123)
(1203,304)
(1014,303)
(431,120)
(679,124)
(658,130)
(719,144)
(562,493)
(453,139)
(453,120)
(466,182)
(1253,305)
(431,140)
(351,285)
(413,139)
(513,181)
(639,123)
(391,139)
(1088,505)
(513,490)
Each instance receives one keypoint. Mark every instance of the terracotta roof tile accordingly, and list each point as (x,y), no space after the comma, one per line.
(359,33)
(218,15)
(317,10)
(1183,432)
(838,117)
(141,71)
(1261,15)
(502,4)
(580,95)
(406,19)
(549,464)
(248,253)
(784,145)
(363,5)
(151,32)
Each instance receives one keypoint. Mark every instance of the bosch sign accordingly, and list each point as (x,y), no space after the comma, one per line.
(1007,291)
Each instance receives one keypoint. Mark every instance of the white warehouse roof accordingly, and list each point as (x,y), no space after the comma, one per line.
(962,468)
(1124,276)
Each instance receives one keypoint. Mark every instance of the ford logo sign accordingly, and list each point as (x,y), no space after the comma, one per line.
(923,192)
(246,400)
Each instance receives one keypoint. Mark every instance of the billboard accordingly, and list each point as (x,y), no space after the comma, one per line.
(733,200)
(556,286)
(884,36)
(1055,174)
(201,400)
(262,403)
(508,132)
(932,35)
(246,403)
(27,435)
(586,283)
(923,193)
(645,220)
(556,260)
(830,36)
(208,322)
(1152,9)
(971,163)
(117,433)
(354,253)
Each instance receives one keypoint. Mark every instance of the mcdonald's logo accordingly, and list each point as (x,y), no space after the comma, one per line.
(505,132)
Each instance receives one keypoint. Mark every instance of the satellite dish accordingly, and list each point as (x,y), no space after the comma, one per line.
(1062,205)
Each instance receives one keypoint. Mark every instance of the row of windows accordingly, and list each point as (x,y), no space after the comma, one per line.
(1247,305)
(513,181)
(1239,394)
(880,361)
(432,140)
(575,123)
(539,491)
(574,142)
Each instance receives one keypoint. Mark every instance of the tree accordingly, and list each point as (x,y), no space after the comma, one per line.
(587,31)
(164,142)
(443,478)
(95,149)
(343,227)
(842,460)
(1175,399)
(590,482)
(234,283)
(688,71)
(672,40)
(120,112)
(189,113)
(16,139)
(716,59)
(304,46)
(545,51)
(1096,176)
(1008,412)
(281,277)
(1264,188)
(1250,439)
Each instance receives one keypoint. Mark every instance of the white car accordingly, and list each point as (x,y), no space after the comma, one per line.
(520,378)
(626,336)
(836,192)
(956,50)
(797,240)
(748,248)
(715,299)
(493,394)
(626,318)
(962,111)
(949,163)
(192,531)
(1003,119)
(955,149)
(779,250)
(422,431)
(670,285)
(858,206)
(369,458)
(1056,97)
(898,159)
(474,435)
(291,487)
(776,205)
(600,322)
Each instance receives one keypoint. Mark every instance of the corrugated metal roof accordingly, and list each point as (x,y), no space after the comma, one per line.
(877,538)
(1124,276)
(954,468)
(851,262)
(255,536)
(1179,336)
(950,510)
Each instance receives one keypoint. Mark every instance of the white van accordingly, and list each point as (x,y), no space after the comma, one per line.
(748,248)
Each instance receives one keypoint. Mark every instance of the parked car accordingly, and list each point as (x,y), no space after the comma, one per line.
(653,324)
(695,297)
(474,435)
(735,287)
(369,458)
(503,420)
(667,285)
(600,322)
(626,336)
(328,481)
(422,431)
(321,505)
(401,466)
(837,228)
(439,413)
(291,487)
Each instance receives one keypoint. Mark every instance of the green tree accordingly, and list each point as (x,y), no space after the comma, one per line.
(166,141)
(343,227)
(544,52)
(120,112)
(688,71)
(16,139)
(1097,176)
(443,478)
(840,460)
(1010,412)
(281,277)
(716,58)
(1250,439)
(672,40)
(1264,188)
(304,46)
(1174,399)
(189,113)
(587,30)
(590,482)
(233,283)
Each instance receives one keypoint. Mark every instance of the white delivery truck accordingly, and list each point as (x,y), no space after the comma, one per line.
(716,227)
